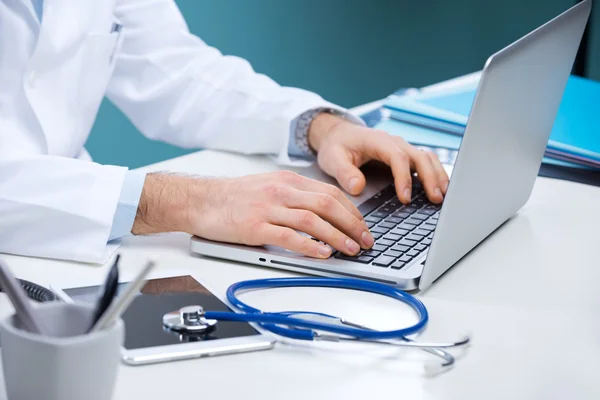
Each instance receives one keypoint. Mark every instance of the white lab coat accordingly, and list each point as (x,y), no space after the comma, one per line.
(55,202)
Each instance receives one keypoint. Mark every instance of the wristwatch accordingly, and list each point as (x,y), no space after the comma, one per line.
(303,124)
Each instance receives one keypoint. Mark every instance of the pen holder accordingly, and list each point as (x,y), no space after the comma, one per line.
(67,364)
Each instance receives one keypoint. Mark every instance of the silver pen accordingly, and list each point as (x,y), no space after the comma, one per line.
(120,304)
(23,309)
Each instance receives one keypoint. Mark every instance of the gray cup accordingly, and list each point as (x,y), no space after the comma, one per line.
(67,364)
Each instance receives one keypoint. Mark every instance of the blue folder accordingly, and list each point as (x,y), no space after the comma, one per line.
(576,132)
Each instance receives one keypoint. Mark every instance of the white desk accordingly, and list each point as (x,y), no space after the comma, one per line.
(528,295)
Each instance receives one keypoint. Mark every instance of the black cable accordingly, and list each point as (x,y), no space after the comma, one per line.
(37,292)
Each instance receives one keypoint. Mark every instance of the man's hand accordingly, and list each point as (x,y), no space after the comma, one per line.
(343,147)
(270,208)
(254,210)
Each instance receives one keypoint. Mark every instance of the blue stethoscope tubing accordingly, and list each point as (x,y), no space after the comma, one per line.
(284,323)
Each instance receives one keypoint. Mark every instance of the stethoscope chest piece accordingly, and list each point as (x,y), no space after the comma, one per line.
(188,319)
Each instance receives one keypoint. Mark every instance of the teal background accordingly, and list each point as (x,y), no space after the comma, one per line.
(594,44)
(349,51)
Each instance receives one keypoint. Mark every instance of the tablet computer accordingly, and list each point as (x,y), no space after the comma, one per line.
(148,341)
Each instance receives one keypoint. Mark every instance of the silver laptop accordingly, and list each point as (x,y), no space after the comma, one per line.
(503,145)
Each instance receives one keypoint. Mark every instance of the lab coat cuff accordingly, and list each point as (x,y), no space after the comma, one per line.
(129,199)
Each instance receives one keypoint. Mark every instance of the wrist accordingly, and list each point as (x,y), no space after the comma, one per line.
(167,203)
(321,127)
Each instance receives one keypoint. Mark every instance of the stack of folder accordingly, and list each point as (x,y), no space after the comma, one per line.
(437,118)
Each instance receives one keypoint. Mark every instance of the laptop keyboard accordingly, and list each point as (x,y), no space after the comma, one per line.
(402,232)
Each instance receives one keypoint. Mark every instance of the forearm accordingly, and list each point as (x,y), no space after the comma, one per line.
(169,203)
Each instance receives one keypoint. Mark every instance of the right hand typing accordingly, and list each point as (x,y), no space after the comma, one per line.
(262,209)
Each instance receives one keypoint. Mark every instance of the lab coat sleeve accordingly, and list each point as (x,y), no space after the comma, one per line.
(177,89)
(57,207)
(127,206)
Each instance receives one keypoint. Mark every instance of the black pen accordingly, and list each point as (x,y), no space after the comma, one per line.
(108,293)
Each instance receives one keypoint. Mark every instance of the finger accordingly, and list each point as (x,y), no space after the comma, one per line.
(310,223)
(440,171)
(427,174)
(341,166)
(400,165)
(387,150)
(350,178)
(311,185)
(331,210)
(292,240)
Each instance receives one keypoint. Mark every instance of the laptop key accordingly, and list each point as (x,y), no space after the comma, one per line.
(378,247)
(377,200)
(405,258)
(371,218)
(379,229)
(401,214)
(409,209)
(413,221)
(385,242)
(370,224)
(400,248)
(393,220)
(375,235)
(388,208)
(379,214)
(400,231)
(383,261)
(406,226)
(419,216)
(392,253)
(414,238)
(419,201)
(412,253)
(398,265)
(392,236)
(370,253)
(420,247)
(407,242)
(359,259)
(426,241)
(387,225)
(395,202)
(421,232)
(427,227)
(426,211)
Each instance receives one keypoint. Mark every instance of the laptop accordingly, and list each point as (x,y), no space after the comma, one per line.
(517,100)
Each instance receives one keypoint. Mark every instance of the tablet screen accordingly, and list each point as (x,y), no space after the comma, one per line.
(143,318)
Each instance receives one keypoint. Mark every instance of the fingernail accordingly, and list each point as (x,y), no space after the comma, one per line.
(437,192)
(352,182)
(367,239)
(407,194)
(445,187)
(352,246)
(324,250)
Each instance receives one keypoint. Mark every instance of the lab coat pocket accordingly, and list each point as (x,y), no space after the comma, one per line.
(100,53)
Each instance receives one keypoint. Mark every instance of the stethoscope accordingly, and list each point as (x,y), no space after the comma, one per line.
(305,325)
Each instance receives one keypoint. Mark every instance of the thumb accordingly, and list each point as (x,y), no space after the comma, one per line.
(350,178)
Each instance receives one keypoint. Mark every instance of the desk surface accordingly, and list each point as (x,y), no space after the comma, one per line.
(528,295)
